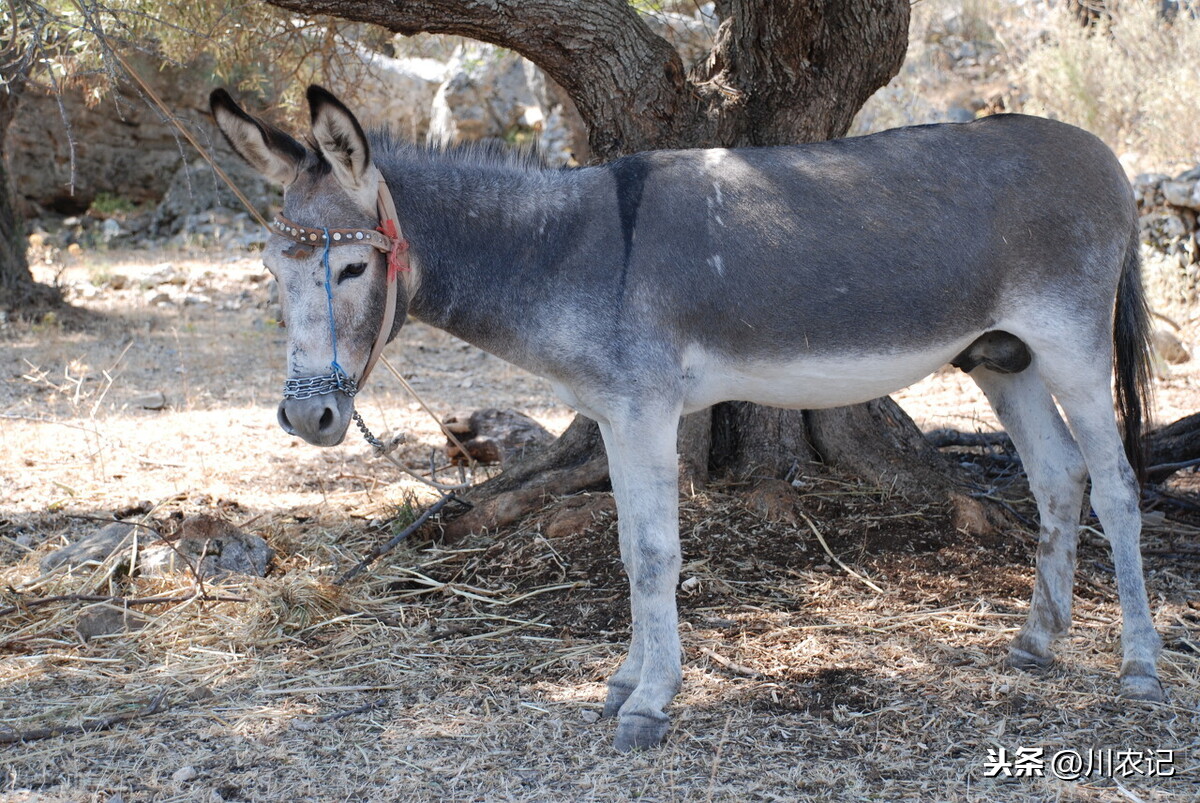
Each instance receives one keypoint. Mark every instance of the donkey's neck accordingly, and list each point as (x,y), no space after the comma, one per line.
(485,237)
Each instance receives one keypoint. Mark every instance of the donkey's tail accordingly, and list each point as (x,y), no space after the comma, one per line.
(1132,357)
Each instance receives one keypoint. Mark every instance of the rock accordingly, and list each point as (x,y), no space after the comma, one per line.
(589,716)
(184,775)
(163,273)
(1157,227)
(691,34)
(959,114)
(213,546)
(774,500)
(107,619)
(1168,346)
(110,230)
(197,198)
(1182,193)
(150,401)
(494,436)
(94,548)
(493,94)
(399,93)
(122,146)
(1189,175)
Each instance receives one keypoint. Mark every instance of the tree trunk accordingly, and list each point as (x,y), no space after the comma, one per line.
(18,291)
(14,271)
(779,72)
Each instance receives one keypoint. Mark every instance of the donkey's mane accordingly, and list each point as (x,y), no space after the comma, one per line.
(386,145)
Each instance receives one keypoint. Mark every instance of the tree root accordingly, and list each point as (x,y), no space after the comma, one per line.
(575,462)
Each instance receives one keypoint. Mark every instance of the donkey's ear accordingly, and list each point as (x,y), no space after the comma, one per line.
(342,142)
(268,150)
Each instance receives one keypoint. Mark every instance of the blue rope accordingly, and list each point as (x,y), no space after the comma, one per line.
(309,386)
(337,368)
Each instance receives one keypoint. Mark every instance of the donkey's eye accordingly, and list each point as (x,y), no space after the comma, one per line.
(350,271)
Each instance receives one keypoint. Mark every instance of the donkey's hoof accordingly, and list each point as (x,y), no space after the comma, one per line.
(617,695)
(1142,687)
(1029,662)
(640,732)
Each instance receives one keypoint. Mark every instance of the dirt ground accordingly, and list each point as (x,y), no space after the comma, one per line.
(867,667)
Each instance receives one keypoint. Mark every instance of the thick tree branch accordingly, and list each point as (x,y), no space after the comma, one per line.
(781,71)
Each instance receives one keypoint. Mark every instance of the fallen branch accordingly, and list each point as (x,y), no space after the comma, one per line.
(128,601)
(732,666)
(941,438)
(391,544)
(9,736)
(362,709)
(834,557)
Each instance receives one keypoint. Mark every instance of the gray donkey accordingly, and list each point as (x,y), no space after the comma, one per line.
(808,276)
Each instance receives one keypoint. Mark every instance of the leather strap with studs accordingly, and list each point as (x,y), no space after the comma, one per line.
(316,237)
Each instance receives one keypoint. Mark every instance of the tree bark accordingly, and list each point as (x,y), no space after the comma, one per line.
(779,72)
(18,291)
(14,270)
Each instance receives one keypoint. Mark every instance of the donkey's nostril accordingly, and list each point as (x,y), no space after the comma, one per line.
(326,419)
(284,423)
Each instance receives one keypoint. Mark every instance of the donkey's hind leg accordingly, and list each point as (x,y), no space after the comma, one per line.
(1082,386)
(1057,474)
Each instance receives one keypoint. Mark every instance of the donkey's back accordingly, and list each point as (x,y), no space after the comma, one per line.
(921,234)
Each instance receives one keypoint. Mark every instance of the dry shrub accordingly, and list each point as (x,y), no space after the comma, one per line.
(1133,82)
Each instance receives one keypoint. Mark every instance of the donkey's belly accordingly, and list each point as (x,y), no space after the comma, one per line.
(808,382)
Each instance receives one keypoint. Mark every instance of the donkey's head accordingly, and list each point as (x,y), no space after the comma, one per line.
(333,253)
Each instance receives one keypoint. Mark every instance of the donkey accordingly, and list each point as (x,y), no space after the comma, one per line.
(804,276)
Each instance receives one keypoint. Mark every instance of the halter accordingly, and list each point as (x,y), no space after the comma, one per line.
(389,239)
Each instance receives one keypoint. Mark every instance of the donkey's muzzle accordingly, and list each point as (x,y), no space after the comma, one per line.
(320,420)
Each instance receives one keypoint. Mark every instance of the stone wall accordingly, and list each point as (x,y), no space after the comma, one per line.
(121,145)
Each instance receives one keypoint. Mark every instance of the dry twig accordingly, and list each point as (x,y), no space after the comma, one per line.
(160,600)
(92,726)
(392,543)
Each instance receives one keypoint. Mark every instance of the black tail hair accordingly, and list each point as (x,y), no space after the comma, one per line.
(1132,357)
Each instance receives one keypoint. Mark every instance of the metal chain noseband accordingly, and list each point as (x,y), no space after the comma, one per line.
(308,386)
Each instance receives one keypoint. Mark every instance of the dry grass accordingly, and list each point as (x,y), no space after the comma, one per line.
(474,670)
(1132,84)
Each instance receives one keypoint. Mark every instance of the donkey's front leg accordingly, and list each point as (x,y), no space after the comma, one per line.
(644,470)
